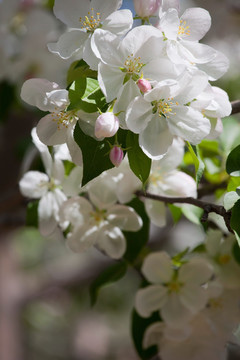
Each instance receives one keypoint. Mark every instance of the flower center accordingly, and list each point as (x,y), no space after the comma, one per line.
(90,22)
(215,303)
(174,286)
(98,216)
(183,28)
(133,64)
(224,259)
(64,118)
(164,107)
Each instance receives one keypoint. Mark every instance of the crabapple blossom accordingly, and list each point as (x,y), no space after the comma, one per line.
(181,41)
(51,188)
(99,222)
(83,18)
(57,127)
(219,252)
(177,293)
(166,180)
(146,8)
(107,124)
(129,58)
(116,155)
(162,113)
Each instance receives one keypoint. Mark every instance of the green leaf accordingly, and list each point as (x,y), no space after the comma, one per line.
(85,94)
(230,136)
(236,252)
(176,212)
(96,153)
(192,213)
(198,163)
(209,148)
(234,221)
(80,69)
(112,274)
(32,214)
(138,161)
(139,326)
(233,162)
(234,182)
(136,241)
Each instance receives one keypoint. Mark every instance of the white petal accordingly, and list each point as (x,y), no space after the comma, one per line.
(156,211)
(34,184)
(49,133)
(213,242)
(77,211)
(172,158)
(119,22)
(110,80)
(44,152)
(105,45)
(189,124)
(196,271)
(69,43)
(46,220)
(199,22)
(169,24)
(70,11)
(157,268)
(150,299)
(139,113)
(74,149)
(156,138)
(105,8)
(34,92)
(82,238)
(193,297)
(112,242)
(153,334)
(72,184)
(196,52)
(217,67)
(128,92)
(124,217)
(100,194)
(89,56)
(174,313)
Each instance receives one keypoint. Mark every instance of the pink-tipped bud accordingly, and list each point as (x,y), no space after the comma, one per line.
(107,124)
(146,8)
(144,85)
(116,155)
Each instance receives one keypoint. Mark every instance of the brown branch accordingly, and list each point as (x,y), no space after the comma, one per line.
(235,107)
(206,206)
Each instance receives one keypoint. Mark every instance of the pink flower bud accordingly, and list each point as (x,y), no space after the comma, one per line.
(146,8)
(144,85)
(107,124)
(116,155)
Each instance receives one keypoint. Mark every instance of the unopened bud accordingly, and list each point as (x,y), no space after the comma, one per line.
(146,8)
(116,155)
(144,85)
(107,124)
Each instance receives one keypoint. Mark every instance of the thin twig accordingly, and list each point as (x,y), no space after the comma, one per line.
(206,206)
(235,107)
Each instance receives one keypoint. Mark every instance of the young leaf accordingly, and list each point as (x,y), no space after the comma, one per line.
(199,164)
(234,221)
(139,326)
(137,240)
(112,274)
(233,162)
(236,252)
(32,214)
(176,212)
(80,69)
(138,161)
(95,153)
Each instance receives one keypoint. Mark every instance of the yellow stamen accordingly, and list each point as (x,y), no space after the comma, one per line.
(183,28)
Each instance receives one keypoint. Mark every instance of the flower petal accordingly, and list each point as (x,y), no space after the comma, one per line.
(193,297)
(119,22)
(156,138)
(112,241)
(150,299)
(174,313)
(49,133)
(34,184)
(199,22)
(157,268)
(156,212)
(124,217)
(196,271)
(139,113)
(70,11)
(69,43)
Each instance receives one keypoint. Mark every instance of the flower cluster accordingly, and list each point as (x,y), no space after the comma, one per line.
(135,96)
